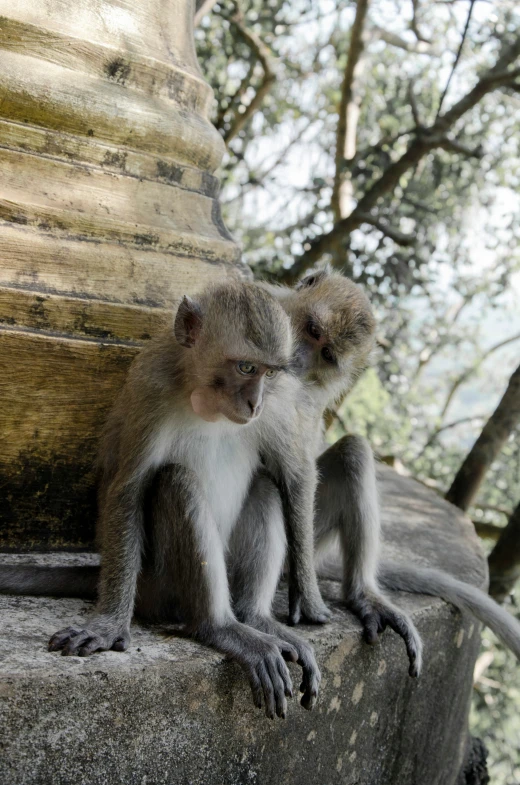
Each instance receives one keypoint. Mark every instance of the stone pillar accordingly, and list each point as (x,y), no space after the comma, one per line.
(108,212)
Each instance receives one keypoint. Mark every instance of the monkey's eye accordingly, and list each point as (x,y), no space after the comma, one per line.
(245,368)
(327,355)
(270,373)
(314,331)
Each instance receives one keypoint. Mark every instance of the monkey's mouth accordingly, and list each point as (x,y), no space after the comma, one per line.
(238,417)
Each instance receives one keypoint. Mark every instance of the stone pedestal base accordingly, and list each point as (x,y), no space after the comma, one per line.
(170,712)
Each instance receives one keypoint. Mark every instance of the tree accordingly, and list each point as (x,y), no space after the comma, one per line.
(488,445)
(504,560)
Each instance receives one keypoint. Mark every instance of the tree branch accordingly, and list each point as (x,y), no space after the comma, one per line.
(202,8)
(488,530)
(392,39)
(433,436)
(414,27)
(464,376)
(453,146)
(261,51)
(400,238)
(487,447)
(457,56)
(504,560)
(413,105)
(348,115)
(427,140)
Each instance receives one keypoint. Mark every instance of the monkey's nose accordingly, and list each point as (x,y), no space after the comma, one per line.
(255,407)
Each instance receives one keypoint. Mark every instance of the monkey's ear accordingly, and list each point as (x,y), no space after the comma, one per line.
(313,278)
(188,322)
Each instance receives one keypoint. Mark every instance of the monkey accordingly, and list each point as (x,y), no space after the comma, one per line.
(335,329)
(210,410)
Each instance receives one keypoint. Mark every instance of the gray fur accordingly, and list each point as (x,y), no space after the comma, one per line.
(425,580)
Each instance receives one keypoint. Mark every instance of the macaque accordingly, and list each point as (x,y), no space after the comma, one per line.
(210,409)
(334,329)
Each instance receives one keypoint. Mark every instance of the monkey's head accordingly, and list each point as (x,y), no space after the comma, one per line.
(334,330)
(238,343)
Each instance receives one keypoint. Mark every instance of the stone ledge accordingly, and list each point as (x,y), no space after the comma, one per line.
(170,711)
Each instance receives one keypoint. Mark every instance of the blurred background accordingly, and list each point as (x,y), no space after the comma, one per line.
(384,137)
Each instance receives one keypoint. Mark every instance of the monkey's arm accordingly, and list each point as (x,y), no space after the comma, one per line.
(347,505)
(121,523)
(256,556)
(297,486)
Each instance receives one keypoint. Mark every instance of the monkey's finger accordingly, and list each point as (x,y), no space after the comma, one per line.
(320,618)
(295,607)
(90,646)
(120,644)
(267,689)
(283,670)
(412,641)
(310,686)
(74,644)
(60,638)
(308,699)
(371,629)
(278,686)
(256,689)
(287,651)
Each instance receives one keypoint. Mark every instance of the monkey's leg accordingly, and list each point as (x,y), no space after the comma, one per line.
(256,556)
(121,522)
(192,569)
(347,505)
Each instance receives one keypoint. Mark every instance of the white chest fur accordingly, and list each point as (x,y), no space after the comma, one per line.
(222,455)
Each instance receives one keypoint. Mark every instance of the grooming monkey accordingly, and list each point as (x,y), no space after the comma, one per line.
(334,330)
(209,410)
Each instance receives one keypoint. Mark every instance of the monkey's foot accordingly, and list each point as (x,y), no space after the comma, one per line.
(307,608)
(376,614)
(82,642)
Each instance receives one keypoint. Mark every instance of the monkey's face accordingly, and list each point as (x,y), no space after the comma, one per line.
(334,329)
(237,391)
(240,343)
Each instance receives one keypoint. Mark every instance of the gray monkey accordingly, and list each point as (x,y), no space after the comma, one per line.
(334,329)
(208,407)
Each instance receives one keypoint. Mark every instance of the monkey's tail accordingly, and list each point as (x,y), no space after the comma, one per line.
(426,580)
(49,581)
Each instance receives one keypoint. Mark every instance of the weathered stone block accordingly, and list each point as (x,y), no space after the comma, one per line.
(169,712)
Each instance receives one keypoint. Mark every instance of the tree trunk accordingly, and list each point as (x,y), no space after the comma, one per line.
(488,445)
(504,560)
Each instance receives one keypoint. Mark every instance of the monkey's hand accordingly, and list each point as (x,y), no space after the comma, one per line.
(376,614)
(305,658)
(268,675)
(307,606)
(101,635)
